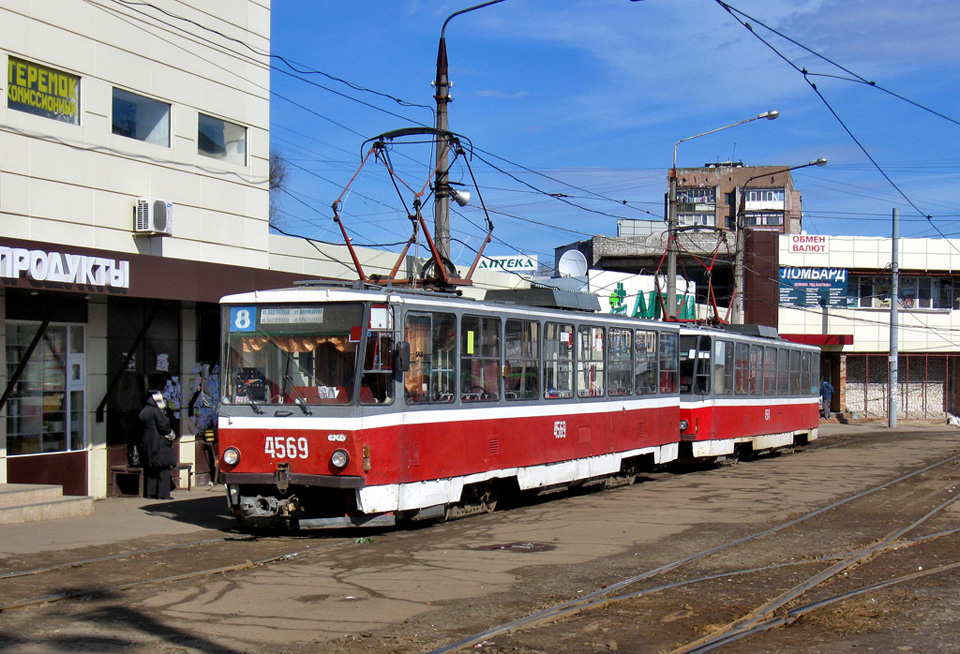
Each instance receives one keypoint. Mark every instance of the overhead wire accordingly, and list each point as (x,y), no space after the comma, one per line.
(742,18)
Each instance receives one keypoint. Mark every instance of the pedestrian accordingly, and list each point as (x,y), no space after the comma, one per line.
(157,451)
(826,394)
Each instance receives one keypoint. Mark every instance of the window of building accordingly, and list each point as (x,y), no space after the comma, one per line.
(479,359)
(46,408)
(557,360)
(141,118)
(695,219)
(432,338)
(765,195)
(769,219)
(698,195)
(590,355)
(873,291)
(42,91)
(521,370)
(222,139)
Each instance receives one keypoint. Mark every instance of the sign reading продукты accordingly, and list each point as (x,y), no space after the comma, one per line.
(813,287)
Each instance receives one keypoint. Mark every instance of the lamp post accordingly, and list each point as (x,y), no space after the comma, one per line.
(672,211)
(441,201)
(737,316)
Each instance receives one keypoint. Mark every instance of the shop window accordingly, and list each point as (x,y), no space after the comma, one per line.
(141,118)
(45,412)
(222,139)
(36,89)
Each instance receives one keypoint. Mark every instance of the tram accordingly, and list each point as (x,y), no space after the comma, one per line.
(364,405)
(745,390)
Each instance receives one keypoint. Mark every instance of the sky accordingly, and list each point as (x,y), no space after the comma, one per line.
(570,111)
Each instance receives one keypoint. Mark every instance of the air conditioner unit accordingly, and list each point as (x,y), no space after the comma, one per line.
(152,216)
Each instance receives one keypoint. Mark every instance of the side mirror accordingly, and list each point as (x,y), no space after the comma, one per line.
(401,357)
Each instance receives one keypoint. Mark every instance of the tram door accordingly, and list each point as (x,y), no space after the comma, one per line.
(696,373)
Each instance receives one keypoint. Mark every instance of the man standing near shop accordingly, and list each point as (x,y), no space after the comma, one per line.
(826,394)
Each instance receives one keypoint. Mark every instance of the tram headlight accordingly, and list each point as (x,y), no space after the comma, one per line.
(231,456)
(684,425)
(339,459)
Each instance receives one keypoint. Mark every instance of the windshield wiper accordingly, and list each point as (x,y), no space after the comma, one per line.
(300,401)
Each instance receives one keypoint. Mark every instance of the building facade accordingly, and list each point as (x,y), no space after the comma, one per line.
(716,194)
(835,291)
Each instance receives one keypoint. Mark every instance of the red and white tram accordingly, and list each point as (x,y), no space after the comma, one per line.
(743,390)
(350,406)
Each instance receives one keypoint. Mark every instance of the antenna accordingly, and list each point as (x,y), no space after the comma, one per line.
(572,264)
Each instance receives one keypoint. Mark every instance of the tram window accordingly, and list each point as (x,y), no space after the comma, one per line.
(282,354)
(432,338)
(376,382)
(723,368)
(702,377)
(590,352)
(804,373)
(814,374)
(756,370)
(620,362)
(668,363)
(521,369)
(645,362)
(479,359)
(740,371)
(688,361)
(796,375)
(769,371)
(557,361)
(783,372)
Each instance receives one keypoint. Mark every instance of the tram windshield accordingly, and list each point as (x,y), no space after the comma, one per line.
(306,354)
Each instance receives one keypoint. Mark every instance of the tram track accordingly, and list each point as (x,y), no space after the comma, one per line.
(765,616)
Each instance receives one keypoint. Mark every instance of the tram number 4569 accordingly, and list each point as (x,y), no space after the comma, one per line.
(278,447)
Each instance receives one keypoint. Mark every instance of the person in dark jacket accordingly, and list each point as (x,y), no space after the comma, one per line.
(157,451)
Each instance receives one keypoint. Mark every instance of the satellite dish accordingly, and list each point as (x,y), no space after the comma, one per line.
(572,264)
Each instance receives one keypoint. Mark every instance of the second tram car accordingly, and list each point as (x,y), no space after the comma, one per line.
(350,406)
(743,390)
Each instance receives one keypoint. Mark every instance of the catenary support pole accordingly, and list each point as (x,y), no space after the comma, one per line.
(893,390)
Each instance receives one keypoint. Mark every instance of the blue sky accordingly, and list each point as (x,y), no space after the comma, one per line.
(585,99)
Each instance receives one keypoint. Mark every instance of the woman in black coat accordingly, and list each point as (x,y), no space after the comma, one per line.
(157,452)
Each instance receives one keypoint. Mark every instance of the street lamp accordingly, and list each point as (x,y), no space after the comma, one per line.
(441,201)
(672,212)
(738,282)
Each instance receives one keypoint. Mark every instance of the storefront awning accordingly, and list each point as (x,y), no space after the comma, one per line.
(819,339)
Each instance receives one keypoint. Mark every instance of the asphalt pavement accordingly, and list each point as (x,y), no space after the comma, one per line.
(203,511)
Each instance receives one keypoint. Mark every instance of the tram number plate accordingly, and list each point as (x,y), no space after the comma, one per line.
(560,429)
(278,447)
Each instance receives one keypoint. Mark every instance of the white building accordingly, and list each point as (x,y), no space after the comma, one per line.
(134,165)
(835,292)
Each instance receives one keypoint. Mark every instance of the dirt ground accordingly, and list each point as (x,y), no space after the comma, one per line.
(425,589)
